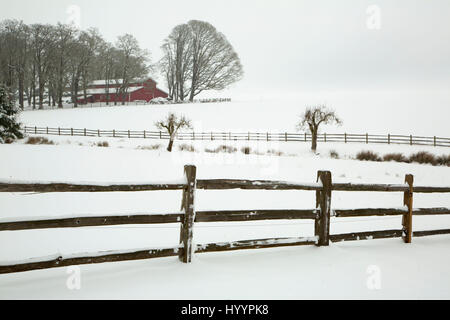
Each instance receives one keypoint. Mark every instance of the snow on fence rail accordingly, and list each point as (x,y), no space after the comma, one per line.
(321,214)
(244,136)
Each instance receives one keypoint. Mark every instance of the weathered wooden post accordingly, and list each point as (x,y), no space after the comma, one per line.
(389,138)
(35,129)
(59,131)
(46,130)
(345,137)
(434,141)
(407,216)
(144,134)
(325,137)
(305,136)
(84,132)
(98,132)
(128,134)
(188,205)
(410,140)
(114,133)
(285,136)
(323,201)
(71,131)
(367,138)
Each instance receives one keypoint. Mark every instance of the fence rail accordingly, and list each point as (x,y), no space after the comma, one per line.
(244,136)
(321,215)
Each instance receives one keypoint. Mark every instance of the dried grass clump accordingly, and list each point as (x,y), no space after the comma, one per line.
(102,144)
(443,160)
(186,147)
(246,150)
(334,154)
(423,157)
(38,140)
(397,157)
(368,156)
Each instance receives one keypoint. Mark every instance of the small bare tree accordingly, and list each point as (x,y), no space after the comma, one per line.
(172,123)
(313,117)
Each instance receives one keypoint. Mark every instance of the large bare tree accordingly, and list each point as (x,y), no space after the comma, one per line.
(315,116)
(197,58)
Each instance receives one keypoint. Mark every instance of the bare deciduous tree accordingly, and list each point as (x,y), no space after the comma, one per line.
(313,117)
(172,124)
(197,58)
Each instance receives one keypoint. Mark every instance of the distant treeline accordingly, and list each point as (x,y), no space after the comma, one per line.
(43,63)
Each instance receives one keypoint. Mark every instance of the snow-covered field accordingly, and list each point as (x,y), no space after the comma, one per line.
(339,271)
(342,270)
(373,112)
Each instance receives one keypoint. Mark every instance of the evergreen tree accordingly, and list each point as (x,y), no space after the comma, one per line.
(9,127)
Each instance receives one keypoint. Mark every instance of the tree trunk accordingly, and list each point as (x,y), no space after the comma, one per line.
(169,148)
(21,89)
(314,140)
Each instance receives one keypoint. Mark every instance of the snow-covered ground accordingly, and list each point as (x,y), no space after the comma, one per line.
(401,112)
(342,270)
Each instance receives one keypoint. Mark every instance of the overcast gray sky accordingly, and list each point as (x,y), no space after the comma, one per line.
(286,44)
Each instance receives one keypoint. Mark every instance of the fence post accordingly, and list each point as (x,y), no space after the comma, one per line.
(305,136)
(323,200)
(367,138)
(35,129)
(389,138)
(325,136)
(128,134)
(211,136)
(47,130)
(248,136)
(410,140)
(160,135)
(285,136)
(407,217)
(59,131)
(144,134)
(71,131)
(345,137)
(434,141)
(98,132)
(84,131)
(188,205)
(114,133)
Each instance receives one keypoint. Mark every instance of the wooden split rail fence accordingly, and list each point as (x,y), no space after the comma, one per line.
(321,214)
(245,136)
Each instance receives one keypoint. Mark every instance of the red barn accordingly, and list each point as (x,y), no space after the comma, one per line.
(140,90)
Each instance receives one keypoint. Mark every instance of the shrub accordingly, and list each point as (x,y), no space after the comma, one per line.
(423,157)
(368,156)
(103,144)
(227,149)
(443,160)
(186,147)
(397,157)
(334,154)
(38,140)
(246,150)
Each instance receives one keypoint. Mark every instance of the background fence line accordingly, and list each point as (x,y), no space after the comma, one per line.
(69,105)
(245,136)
